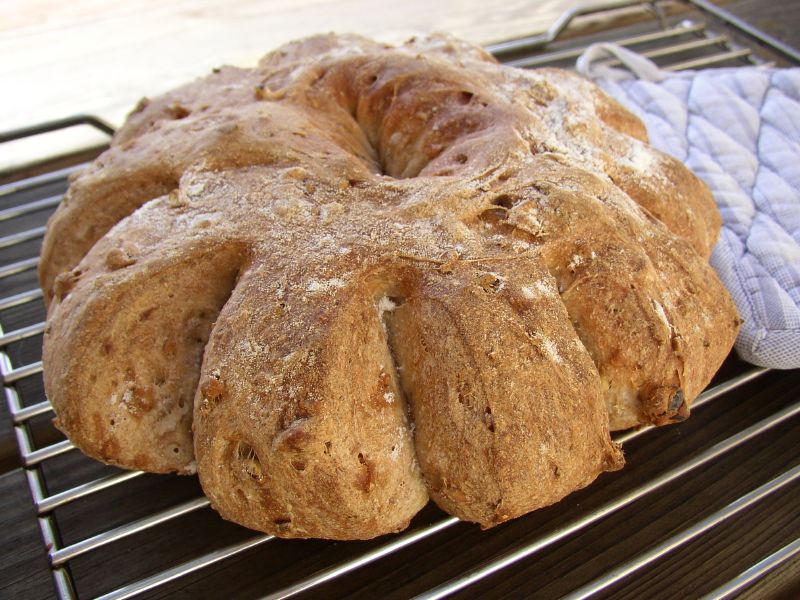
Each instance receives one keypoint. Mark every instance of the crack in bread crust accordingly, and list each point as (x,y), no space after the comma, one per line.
(390,274)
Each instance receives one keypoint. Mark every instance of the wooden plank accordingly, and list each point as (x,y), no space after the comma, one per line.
(24,572)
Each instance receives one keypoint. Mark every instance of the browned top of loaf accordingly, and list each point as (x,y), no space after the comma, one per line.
(408,272)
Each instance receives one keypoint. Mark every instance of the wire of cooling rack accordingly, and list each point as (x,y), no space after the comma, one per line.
(684,44)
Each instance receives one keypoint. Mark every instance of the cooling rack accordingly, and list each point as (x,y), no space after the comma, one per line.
(706,507)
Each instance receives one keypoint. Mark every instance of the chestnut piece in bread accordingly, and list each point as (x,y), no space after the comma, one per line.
(359,276)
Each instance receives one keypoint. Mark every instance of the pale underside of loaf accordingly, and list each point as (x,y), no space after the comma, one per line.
(356,277)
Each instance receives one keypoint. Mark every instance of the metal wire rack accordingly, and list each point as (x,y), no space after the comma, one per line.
(91,515)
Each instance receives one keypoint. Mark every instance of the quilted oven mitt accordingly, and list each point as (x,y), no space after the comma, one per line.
(739,130)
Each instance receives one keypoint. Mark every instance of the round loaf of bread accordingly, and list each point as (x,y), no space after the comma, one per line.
(356,277)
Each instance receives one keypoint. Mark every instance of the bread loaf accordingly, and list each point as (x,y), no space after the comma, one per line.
(356,277)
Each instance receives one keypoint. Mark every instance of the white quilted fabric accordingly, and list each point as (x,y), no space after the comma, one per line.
(739,130)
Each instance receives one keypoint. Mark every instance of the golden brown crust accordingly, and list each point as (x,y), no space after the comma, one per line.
(513,395)
(124,354)
(388,274)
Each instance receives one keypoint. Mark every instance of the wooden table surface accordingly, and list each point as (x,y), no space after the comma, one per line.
(97,57)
